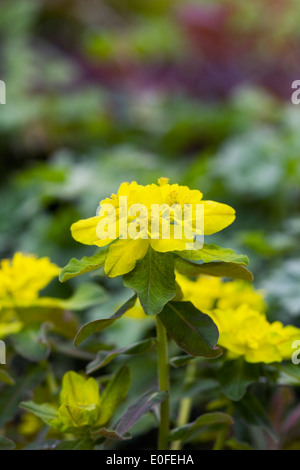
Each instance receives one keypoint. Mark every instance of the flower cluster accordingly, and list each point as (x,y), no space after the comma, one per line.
(239,313)
(124,252)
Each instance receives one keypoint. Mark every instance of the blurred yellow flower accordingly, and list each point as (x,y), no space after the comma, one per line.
(21,280)
(208,292)
(127,250)
(246,332)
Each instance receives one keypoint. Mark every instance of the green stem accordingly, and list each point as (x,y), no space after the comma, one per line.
(163,377)
(222,435)
(185,404)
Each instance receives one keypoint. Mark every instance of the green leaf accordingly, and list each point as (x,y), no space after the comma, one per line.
(77,444)
(181,361)
(32,344)
(135,412)
(45,411)
(193,331)
(6,444)
(218,269)
(253,413)
(76,267)
(11,397)
(111,434)
(191,430)
(105,357)
(6,378)
(235,377)
(153,279)
(211,253)
(99,325)
(233,444)
(114,394)
(87,295)
(63,322)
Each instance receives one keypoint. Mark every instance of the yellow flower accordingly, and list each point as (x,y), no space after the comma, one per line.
(246,332)
(134,231)
(79,403)
(21,279)
(81,408)
(208,292)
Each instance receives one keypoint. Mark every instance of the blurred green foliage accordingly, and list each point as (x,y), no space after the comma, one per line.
(101,93)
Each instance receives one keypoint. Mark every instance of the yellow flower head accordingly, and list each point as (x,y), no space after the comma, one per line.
(24,276)
(208,292)
(21,279)
(164,216)
(246,332)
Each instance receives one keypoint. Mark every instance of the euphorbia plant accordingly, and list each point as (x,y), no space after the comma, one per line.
(146,253)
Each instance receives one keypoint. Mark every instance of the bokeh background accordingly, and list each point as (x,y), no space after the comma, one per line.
(105,91)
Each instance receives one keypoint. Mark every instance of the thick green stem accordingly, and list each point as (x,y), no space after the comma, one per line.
(185,404)
(163,377)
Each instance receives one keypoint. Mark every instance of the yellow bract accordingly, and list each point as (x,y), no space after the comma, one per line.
(79,403)
(124,253)
(21,279)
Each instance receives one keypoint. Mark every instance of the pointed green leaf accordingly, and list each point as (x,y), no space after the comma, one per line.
(45,412)
(114,394)
(153,279)
(76,267)
(193,331)
(135,412)
(236,376)
(191,430)
(98,325)
(105,357)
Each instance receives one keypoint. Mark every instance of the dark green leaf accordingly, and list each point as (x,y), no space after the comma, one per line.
(135,412)
(191,430)
(235,377)
(98,325)
(77,444)
(105,357)
(76,267)
(12,396)
(193,331)
(253,412)
(153,279)
(110,434)
(218,269)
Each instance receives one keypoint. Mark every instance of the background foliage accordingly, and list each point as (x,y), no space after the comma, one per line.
(100,92)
